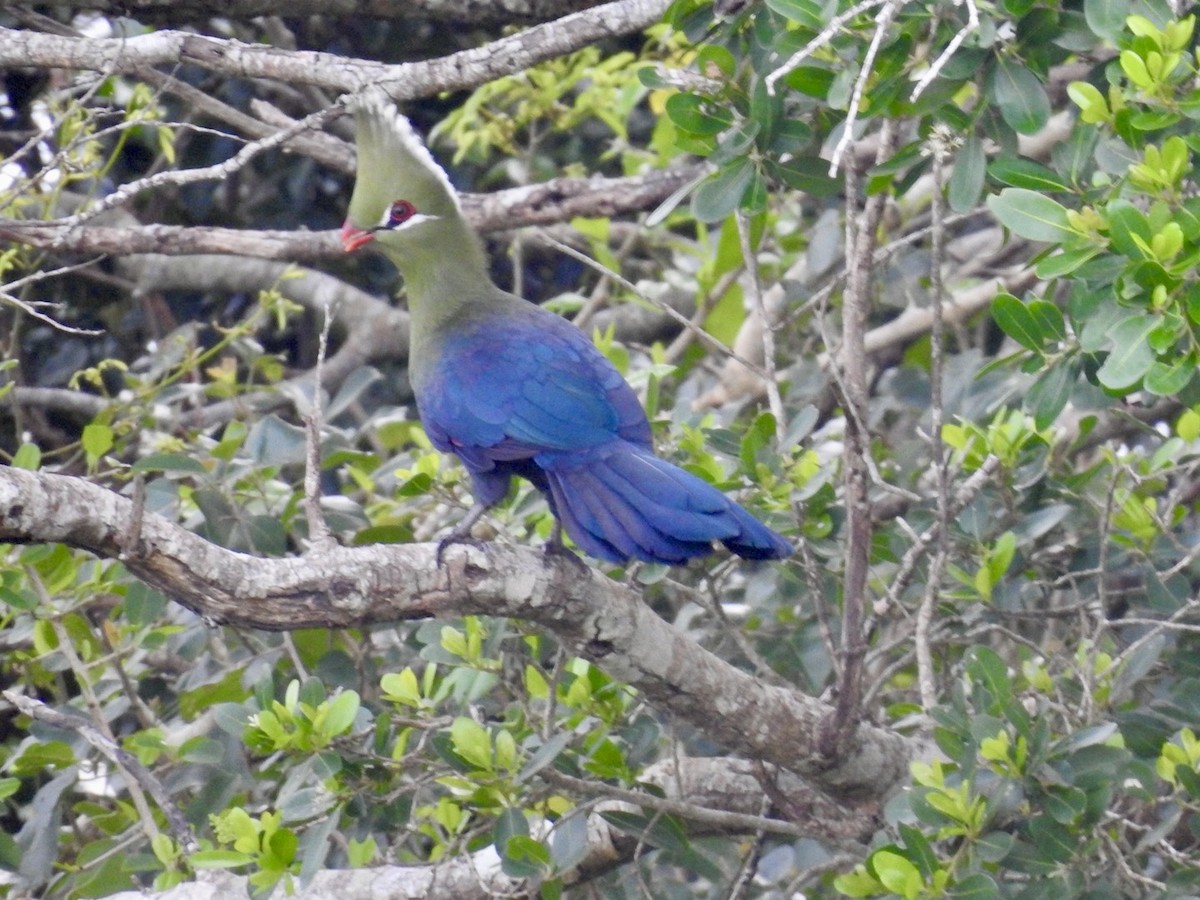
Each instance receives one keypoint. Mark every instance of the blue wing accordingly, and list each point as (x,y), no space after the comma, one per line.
(505,388)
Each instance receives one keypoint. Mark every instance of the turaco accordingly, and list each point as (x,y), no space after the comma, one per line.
(513,389)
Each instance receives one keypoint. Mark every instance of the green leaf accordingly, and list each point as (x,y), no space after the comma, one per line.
(805,12)
(1128,229)
(1017,171)
(342,711)
(401,687)
(994,846)
(805,173)
(359,853)
(757,438)
(858,884)
(472,742)
(897,873)
(1188,426)
(1106,18)
(569,841)
(1093,108)
(721,194)
(97,440)
(1016,320)
(1019,94)
(1131,356)
(1047,396)
(169,462)
(979,886)
(1066,262)
(1031,215)
(28,456)
(509,824)
(1049,319)
(966,181)
(1167,378)
(545,755)
(525,857)
(811,80)
(1052,839)
(662,831)
(696,115)
(219,859)
(1001,556)
(987,668)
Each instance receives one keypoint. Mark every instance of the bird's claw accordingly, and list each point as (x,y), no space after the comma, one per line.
(453,539)
(557,549)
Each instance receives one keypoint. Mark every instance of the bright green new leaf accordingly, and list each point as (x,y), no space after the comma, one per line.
(97,440)
(1093,108)
(897,873)
(342,711)
(28,456)
(472,742)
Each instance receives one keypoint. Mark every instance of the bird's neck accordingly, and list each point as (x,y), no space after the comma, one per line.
(443,279)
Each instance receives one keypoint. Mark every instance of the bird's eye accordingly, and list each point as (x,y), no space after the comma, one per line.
(399,212)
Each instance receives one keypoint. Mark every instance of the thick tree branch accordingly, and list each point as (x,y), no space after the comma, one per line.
(474,12)
(362,586)
(404,81)
(557,200)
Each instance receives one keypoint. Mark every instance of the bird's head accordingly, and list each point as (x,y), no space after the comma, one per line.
(400,221)
(402,198)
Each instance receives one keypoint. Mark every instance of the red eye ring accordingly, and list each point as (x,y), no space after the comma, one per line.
(399,212)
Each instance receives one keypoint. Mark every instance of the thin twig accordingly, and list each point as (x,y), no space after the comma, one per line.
(722,819)
(216,172)
(939,148)
(827,34)
(320,539)
(944,57)
(120,757)
(966,492)
(774,401)
(882,22)
(703,336)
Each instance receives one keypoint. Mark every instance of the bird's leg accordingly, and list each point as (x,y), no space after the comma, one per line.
(556,548)
(462,531)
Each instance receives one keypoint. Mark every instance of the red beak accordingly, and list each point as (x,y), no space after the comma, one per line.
(354,237)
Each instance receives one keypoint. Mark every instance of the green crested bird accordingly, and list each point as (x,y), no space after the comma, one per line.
(512,389)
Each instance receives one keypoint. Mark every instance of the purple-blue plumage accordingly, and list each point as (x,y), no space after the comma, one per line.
(519,391)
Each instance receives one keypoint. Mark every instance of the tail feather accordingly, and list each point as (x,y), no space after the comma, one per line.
(686,524)
(756,540)
(610,519)
(621,502)
(583,527)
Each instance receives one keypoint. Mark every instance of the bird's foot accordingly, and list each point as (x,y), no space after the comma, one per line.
(452,539)
(556,549)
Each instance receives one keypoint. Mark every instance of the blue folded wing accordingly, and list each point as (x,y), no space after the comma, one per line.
(505,389)
(525,393)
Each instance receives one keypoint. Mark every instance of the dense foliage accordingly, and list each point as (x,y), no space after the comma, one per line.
(1007,348)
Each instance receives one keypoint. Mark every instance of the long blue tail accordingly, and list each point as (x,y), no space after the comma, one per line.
(621,501)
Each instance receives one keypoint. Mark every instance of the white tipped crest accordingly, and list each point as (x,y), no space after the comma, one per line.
(394,163)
